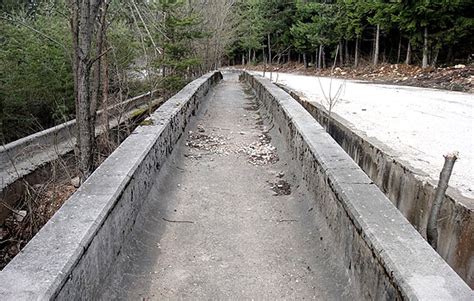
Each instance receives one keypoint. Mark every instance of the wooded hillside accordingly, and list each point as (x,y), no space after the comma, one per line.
(345,32)
(61,59)
(135,46)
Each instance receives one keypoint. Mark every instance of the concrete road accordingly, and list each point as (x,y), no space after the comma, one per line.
(419,124)
(228,217)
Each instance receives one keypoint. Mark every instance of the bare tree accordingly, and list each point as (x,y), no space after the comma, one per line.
(84,14)
(425,48)
(330,100)
(408,57)
(377,45)
(219,21)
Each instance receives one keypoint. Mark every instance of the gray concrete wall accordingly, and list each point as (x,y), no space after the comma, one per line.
(58,134)
(410,190)
(71,255)
(29,158)
(386,258)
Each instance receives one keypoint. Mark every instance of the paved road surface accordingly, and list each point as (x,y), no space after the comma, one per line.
(213,227)
(420,124)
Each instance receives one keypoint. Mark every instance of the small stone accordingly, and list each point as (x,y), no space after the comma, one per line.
(3,233)
(76,182)
(20,215)
(38,186)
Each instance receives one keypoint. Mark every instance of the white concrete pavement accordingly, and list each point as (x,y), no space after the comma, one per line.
(419,124)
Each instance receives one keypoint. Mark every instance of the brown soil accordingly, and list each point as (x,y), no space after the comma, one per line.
(456,78)
(41,201)
(37,207)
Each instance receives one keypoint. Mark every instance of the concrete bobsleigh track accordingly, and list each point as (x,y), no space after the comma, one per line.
(232,191)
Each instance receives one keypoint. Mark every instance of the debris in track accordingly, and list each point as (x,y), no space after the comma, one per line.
(281,187)
(200,129)
(176,221)
(211,144)
(261,152)
(286,220)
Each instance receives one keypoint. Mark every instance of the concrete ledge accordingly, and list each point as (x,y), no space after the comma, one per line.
(55,135)
(386,258)
(71,255)
(29,158)
(410,190)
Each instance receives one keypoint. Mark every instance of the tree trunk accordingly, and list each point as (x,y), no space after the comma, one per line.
(399,49)
(105,91)
(98,68)
(377,45)
(84,14)
(341,54)
(270,60)
(356,55)
(335,58)
(424,63)
(249,57)
(432,227)
(324,59)
(449,56)
(305,61)
(320,57)
(408,58)
(316,59)
(434,61)
(346,47)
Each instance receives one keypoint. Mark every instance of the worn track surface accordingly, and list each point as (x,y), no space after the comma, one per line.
(228,217)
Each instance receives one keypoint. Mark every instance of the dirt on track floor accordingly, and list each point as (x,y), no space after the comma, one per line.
(228,217)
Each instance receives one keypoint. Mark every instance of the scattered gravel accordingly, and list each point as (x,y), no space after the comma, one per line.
(281,187)
(261,152)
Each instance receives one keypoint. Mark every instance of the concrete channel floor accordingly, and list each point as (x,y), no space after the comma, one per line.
(228,217)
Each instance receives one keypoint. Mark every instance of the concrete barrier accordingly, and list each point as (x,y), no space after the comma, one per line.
(386,258)
(71,255)
(28,158)
(410,190)
(59,134)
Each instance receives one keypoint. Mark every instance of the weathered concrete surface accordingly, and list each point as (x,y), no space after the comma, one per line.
(385,256)
(210,227)
(28,158)
(226,234)
(72,254)
(410,190)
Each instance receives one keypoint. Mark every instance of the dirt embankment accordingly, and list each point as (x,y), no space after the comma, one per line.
(455,78)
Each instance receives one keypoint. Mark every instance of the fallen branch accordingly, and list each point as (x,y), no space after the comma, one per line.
(173,221)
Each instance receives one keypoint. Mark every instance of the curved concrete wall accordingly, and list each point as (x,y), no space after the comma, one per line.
(72,253)
(411,191)
(386,258)
(28,158)
(58,134)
